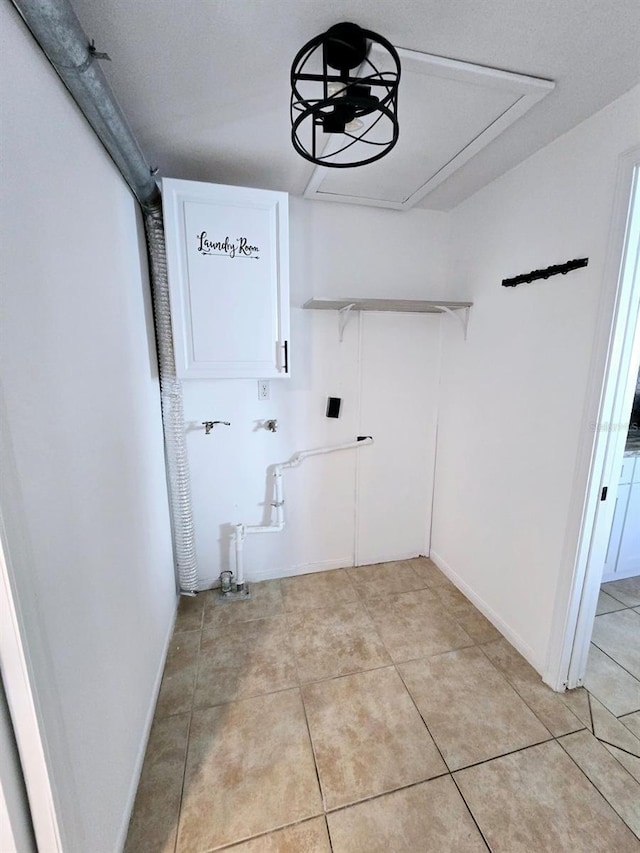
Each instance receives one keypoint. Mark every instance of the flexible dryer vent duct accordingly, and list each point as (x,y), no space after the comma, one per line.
(58,32)
(172,406)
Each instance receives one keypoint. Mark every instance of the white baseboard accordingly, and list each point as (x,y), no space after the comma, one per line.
(255,576)
(302,569)
(391,558)
(305,569)
(525,650)
(620,576)
(135,781)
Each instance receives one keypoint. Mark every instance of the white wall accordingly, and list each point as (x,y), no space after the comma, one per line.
(83,487)
(385,370)
(16,832)
(514,409)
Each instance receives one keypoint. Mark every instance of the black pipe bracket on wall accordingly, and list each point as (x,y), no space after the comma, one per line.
(557,269)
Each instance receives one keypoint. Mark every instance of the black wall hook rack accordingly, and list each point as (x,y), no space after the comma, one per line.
(557,269)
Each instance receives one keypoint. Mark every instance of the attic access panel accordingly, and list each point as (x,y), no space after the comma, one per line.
(448,112)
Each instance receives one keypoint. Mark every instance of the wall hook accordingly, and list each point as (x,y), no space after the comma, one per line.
(547,272)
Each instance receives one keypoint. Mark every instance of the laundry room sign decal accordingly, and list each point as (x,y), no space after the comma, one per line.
(238,248)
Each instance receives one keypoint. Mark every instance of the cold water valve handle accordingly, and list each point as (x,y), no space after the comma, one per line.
(209,425)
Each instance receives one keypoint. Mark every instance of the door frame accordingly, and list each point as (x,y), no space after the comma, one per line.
(23,709)
(616,353)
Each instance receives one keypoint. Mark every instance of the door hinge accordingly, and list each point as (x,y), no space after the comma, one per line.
(603,494)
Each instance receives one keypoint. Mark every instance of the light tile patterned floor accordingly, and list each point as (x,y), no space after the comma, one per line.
(613,668)
(334,713)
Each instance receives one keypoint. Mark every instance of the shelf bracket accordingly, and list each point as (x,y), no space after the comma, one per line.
(343,319)
(463,320)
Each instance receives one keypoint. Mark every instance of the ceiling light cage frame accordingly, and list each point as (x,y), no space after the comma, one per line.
(344,95)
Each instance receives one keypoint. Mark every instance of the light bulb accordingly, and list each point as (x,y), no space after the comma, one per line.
(336,89)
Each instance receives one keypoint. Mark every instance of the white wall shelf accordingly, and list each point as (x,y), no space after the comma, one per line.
(344,307)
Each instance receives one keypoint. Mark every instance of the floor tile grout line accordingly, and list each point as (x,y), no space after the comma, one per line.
(593,725)
(593,784)
(186,752)
(244,698)
(228,848)
(346,674)
(298,687)
(335,809)
(624,605)
(386,666)
(613,596)
(616,746)
(546,740)
(518,694)
(422,657)
(549,739)
(313,753)
(449,771)
(468,807)
(377,631)
(476,763)
(528,704)
(424,722)
(356,671)
(628,714)
(628,671)
(395,664)
(328,828)
(311,743)
(617,609)
(331,603)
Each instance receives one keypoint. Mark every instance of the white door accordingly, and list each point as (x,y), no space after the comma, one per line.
(574,626)
(399,382)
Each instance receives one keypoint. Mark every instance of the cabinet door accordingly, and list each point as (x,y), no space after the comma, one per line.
(629,553)
(228,264)
(610,566)
(626,473)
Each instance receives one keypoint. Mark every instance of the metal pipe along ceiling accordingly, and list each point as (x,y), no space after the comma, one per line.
(57,30)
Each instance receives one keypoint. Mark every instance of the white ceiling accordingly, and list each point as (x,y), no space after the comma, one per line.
(205,83)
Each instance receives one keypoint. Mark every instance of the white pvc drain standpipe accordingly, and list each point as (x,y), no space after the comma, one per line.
(242,530)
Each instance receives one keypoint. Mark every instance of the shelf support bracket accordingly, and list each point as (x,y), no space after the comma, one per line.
(462,319)
(343,319)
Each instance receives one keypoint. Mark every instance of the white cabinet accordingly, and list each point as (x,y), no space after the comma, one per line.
(228,265)
(611,562)
(623,553)
(626,473)
(629,553)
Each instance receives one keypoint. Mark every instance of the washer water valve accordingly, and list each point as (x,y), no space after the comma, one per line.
(209,425)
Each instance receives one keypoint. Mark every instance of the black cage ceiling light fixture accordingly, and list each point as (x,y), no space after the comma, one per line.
(337,89)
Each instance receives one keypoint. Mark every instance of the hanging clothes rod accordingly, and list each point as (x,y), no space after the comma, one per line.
(557,269)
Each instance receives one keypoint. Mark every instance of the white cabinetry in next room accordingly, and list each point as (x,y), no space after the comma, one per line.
(623,553)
